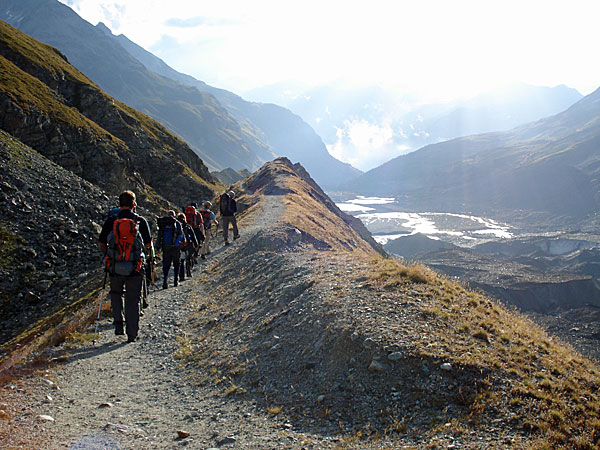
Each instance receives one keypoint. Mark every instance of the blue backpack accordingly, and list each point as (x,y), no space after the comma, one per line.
(169,231)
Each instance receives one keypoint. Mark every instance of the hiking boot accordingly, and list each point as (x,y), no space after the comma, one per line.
(175,284)
(227,243)
(203,256)
(165,285)
(119,329)
(236,237)
(131,338)
(181,279)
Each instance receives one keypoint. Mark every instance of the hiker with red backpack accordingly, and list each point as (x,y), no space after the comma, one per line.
(170,235)
(228,209)
(208,218)
(125,239)
(194,219)
(188,246)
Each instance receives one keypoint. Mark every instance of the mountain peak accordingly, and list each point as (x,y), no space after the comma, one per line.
(100,26)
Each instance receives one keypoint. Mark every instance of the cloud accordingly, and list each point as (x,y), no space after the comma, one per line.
(193,22)
(365,145)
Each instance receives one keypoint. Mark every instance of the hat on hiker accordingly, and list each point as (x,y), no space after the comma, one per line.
(171,213)
(194,204)
(231,194)
(181,217)
(207,204)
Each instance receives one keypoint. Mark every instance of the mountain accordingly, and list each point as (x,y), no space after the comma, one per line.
(551,167)
(222,128)
(229,176)
(501,109)
(373,124)
(197,117)
(285,133)
(52,107)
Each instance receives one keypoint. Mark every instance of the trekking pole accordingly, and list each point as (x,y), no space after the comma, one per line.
(144,295)
(154,282)
(100,307)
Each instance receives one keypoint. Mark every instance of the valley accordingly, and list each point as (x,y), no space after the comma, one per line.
(550,275)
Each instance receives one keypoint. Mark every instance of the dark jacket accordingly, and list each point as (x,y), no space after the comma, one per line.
(231,208)
(190,235)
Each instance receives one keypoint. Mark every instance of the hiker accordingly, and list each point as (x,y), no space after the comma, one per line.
(208,218)
(194,219)
(228,209)
(114,212)
(188,246)
(125,239)
(170,235)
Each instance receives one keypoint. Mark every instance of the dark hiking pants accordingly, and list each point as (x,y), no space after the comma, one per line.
(185,268)
(226,220)
(132,287)
(170,256)
(199,238)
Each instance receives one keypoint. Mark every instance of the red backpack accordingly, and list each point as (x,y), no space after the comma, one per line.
(191,217)
(125,248)
(205,213)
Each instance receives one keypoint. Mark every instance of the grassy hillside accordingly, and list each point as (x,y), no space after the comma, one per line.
(339,341)
(57,110)
(193,115)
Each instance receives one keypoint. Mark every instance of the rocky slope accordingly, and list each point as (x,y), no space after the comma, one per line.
(52,107)
(294,338)
(50,220)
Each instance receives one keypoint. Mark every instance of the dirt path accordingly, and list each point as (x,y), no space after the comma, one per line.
(116,395)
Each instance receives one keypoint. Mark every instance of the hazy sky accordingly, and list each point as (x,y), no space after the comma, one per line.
(440,48)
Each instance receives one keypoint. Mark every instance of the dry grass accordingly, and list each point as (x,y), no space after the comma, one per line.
(553,390)
(390,273)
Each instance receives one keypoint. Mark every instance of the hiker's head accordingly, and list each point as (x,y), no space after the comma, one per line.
(171,213)
(231,194)
(127,200)
(207,204)
(181,217)
(194,204)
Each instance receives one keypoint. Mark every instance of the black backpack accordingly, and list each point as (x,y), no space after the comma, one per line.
(224,207)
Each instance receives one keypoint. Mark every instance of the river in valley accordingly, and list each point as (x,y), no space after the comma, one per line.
(386,222)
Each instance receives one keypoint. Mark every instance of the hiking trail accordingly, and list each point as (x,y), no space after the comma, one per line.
(115,395)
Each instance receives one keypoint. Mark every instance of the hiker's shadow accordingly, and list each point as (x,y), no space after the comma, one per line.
(93,350)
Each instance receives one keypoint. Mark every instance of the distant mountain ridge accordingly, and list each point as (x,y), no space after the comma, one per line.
(551,166)
(285,133)
(399,122)
(228,132)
